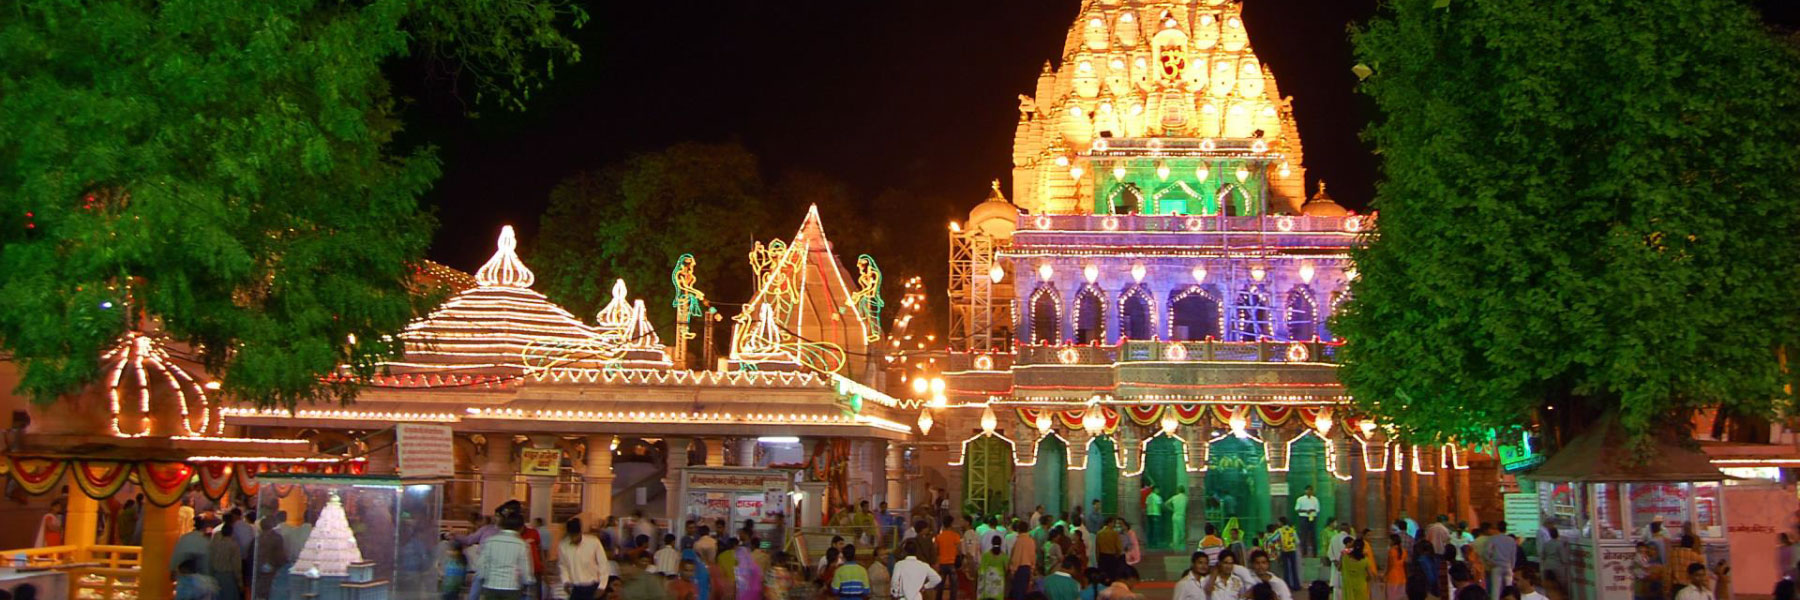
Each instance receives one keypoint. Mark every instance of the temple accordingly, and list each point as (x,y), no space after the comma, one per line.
(1150,310)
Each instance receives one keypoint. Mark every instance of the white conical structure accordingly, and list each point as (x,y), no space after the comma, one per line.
(331,548)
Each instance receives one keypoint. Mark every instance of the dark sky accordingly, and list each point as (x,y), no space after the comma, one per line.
(917,95)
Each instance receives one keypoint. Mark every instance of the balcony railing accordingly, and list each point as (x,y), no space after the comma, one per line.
(1204,351)
(1192,223)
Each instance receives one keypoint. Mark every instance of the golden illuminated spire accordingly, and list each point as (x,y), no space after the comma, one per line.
(504,269)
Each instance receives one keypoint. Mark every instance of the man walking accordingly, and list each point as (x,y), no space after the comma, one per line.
(949,545)
(1153,510)
(1307,507)
(1288,543)
(912,576)
(1109,549)
(504,567)
(1498,554)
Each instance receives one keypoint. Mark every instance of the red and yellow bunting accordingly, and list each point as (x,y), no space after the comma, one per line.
(37,475)
(215,479)
(165,482)
(1186,414)
(101,478)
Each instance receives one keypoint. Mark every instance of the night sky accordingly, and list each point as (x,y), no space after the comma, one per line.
(915,95)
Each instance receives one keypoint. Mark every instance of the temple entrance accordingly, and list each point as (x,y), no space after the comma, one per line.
(987,476)
(1193,316)
(1165,469)
(1050,474)
(1102,476)
(1237,485)
(1134,316)
(1307,466)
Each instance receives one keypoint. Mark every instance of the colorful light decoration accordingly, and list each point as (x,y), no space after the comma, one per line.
(1169,422)
(1285,170)
(920,385)
(1075,173)
(1162,171)
(988,421)
(1240,426)
(1257,272)
(1323,422)
(925,422)
(1137,272)
(1091,273)
(1243,174)
(1199,274)
(1093,422)
(996,274)
(1306,271)
(1202,172)
(1043,423)
(1119,172)
(1045,271)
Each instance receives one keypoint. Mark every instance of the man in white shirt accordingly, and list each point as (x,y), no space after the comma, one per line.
(1307,506)
(668,559)
(1190,587)
(1334,554)
(912,576)
(1259,573)
(1224,583)
(504,567)
(1699,584)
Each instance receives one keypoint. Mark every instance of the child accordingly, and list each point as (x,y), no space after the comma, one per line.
(454,571)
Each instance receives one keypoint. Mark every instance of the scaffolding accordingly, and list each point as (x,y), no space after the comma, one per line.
(973,292)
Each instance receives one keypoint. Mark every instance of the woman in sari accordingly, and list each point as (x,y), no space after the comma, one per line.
(702,575)
(749,575)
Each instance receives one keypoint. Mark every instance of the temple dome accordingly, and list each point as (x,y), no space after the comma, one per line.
(996,217)
(1321,205)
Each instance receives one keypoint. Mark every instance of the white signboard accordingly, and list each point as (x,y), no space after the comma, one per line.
(424,450)
(1522,515)
(1758,513)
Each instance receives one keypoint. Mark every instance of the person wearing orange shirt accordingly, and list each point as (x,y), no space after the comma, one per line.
(948,541)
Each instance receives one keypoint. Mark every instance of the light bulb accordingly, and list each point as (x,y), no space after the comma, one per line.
(1168,421)
(924,422)
(1118,172)
(1075,173)
(1258,273)
(1137,272)
(1202,172)
(1243,174)
(1062,161)
(1200,274)
(1285,171)
(1306,271)
(937,386)
(1091,273)
(920,386)
(1043,422)
(1162,171)
(996,274)
(988,421)
(1044,272)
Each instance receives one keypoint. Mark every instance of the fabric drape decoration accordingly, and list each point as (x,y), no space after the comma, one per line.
(101,478)
(164,483)
(1186,414)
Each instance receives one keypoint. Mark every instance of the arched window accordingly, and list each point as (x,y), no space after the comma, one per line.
(1193,316)
(1134,315)
(1178,198)
(1252,318)
(1090,316)
(1125,199)
(1302,315)
(1046,324)
(1233,201)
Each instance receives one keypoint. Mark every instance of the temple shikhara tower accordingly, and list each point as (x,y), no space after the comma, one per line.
(1145,317)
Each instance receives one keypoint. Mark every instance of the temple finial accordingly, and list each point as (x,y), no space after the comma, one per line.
(505,269)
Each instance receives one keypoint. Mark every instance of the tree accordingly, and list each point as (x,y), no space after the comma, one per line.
(224,171)
(632,219)
(1587,207)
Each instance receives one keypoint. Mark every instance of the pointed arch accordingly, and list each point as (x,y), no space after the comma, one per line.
(1195,314)
(1234,200)
(1180,198)
(1301,315)
(1125,199)
(1251,319)
(1137,314)
(1087,314)
(1045,315)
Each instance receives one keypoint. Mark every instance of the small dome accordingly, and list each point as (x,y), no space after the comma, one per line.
(995,217)
(1321,205)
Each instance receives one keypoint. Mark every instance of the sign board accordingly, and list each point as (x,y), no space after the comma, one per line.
(735,494)
(1520,451)
(424,450)
(1758,513)
(1615,570)
(1522,515)
(1278,489)
(542,462)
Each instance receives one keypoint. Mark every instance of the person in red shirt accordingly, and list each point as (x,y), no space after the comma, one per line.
(536,542)
(948,541)
(682,588)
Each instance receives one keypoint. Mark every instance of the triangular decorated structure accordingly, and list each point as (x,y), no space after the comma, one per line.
(502,327)
(331,548)
(803,315)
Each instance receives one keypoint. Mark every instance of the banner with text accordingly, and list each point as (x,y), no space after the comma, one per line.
(424,450)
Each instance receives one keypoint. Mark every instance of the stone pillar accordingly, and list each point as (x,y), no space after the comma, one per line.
(1197,437)
(158,546)
(1024,498)
(1349,461)
(1465,508)
(1375,492)
(1076,481)
(382,460)
(597,483)
(1280,505)
(715,452)
(892,465)
(1126,437)
(746,452)
(540,487)
(678,461)
(81,522)
(496,472)
(812,504)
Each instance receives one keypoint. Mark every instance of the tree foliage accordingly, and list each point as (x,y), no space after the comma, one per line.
(1586,206)
(630,221)
(224,170)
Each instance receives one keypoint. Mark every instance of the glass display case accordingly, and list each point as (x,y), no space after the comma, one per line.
(345,537)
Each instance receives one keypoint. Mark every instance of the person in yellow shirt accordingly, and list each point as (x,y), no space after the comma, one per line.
(1290,553)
